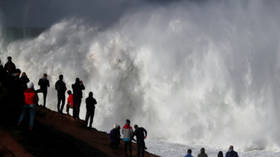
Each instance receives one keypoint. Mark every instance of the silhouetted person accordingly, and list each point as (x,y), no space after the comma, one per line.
(2,73)
(90,105)
(10,67)
(115,137)
(70,103)
(15,94)
(61,89)
(31,99)
(220,154)
(189,153)
(140,134)
(24,80)
(78,88)
(127,133)
(44,84)
(202,153)
(231,152)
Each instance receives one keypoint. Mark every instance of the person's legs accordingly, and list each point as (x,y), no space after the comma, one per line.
(142,149)
(125,148)
(75,107)
(22,114)
(91,119)
(63,103)
(58,103)
(32,112)
(78,108)
(130,148)
(45,93)
(67,109)
(87,117)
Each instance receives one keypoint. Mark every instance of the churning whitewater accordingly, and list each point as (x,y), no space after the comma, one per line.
(191,74)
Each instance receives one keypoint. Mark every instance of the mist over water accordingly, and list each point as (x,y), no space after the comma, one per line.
(205,74)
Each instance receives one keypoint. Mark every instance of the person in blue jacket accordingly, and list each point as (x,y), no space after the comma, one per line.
(231,152)
(189,154)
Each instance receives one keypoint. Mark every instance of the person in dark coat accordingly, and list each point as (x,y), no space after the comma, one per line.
(220,154)
(44,84)
(2,73)
(24,80)
(60,87)
(10,67)
(202,153)
(115,137)
(78,88)
(90,104)
(140,134)
(231,152)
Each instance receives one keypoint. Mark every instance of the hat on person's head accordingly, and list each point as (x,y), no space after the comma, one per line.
(30,85)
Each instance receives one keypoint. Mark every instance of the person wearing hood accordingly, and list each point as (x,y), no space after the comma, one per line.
(127,133)
(31,99)
(202,153)
(115,137)
(189,153)
(231,152)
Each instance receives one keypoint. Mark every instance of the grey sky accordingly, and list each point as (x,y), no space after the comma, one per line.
(43,13)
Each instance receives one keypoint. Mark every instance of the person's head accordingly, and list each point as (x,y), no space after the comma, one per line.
(23,74)
(90,94)
(202,150)
(17,72)
(189,151)
(30,85)
(128,121)
(69,92)
(60,77)
(220,154)
(45,75)
(230,148)
(9,58)
(77,80)
(136,126)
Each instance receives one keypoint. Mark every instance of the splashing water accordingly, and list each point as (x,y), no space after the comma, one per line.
(191,74)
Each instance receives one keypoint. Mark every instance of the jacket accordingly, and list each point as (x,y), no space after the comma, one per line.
(127,132)
(70,101)
(30,97)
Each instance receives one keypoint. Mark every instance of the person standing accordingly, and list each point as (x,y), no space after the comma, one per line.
(31,99)
(202,153)
(90,105)
(220,154)
(24,80)
(44,84)
(127,133)
(78,88)
(189,153)
(10,67)
(140,134)
(60,87)
(115,137)
(70,103)
(231,152)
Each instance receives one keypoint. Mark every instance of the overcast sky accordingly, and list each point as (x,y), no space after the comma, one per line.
(43,13)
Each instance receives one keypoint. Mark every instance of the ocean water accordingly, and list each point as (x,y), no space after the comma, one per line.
(192,74)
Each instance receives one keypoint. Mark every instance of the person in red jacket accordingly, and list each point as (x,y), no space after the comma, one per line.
(30,99)
(70,103)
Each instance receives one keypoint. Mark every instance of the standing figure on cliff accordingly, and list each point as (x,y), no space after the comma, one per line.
(78,88)
(44,84)
(31,100)
(90,105)
(10,67)
(140,134)
(60,87)
(24,80)
(231,152)
(127,132)
(70,103)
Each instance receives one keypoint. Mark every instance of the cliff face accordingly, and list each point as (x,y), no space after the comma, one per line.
(55,135)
